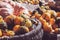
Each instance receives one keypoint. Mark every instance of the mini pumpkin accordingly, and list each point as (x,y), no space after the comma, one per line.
(16,28)
(28,23)
(18,20)
(10,33)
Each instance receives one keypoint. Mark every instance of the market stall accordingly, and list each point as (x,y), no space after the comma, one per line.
(29,19)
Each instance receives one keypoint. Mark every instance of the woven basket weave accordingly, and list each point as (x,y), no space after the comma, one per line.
(35,34)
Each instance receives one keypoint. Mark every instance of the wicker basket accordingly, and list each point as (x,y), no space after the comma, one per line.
(35,34)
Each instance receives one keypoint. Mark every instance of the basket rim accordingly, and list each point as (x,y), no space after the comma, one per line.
(39,26)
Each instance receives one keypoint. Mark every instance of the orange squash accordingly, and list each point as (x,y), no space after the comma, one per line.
(52,21)
(47,27)
(10,33)
(16,28)
(18,20)
(37,15)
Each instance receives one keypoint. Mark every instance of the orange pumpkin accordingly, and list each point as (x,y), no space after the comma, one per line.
(9,18)
(47,27)
(47,17)
(52,21)
(16,28)
(18,20)
(42,20)
(37,15)
(43,15)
